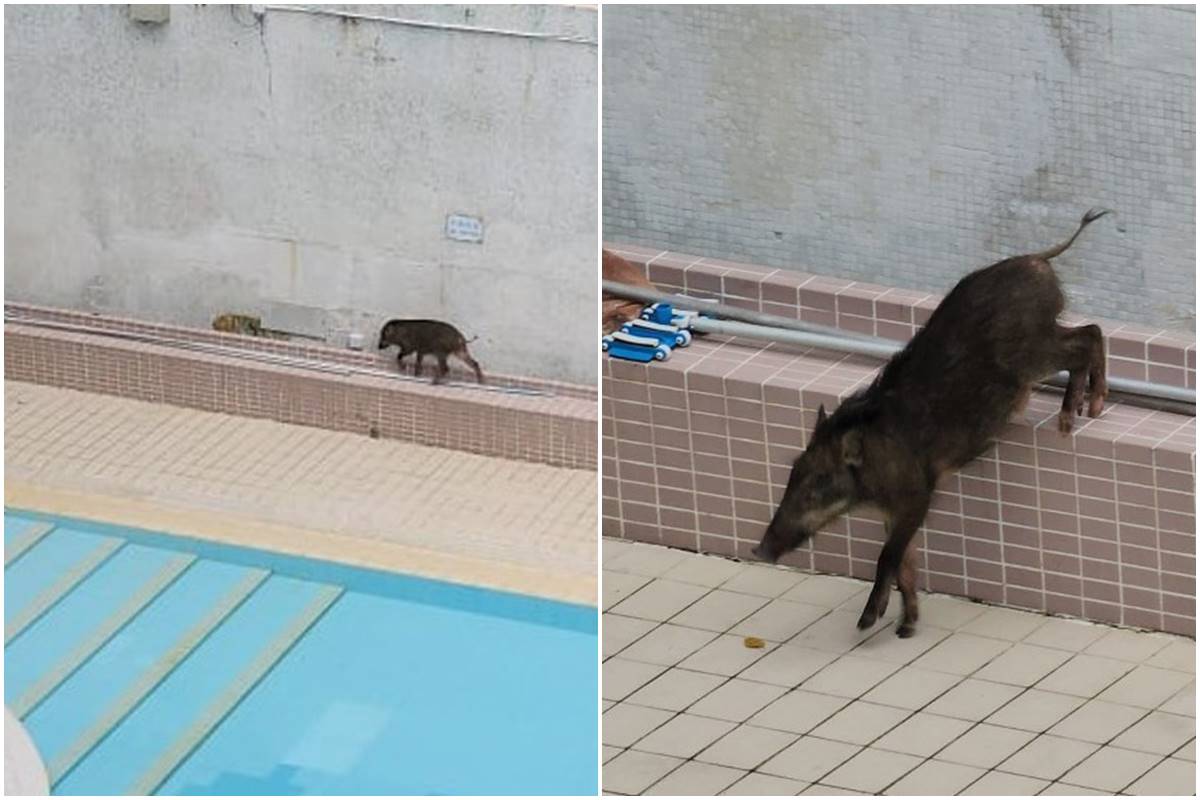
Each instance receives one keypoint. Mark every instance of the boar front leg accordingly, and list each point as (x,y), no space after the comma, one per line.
(907,583)
(901,530)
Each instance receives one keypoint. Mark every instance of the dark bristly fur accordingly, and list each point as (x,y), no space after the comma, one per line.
(935,406)
(422,336)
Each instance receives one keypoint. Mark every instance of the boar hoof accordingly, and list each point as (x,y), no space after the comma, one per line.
(905,630)
(867,619)
(1096,405)
(1065,421)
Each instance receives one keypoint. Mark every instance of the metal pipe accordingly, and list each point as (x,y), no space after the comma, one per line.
(727,312)
(437,26)
(884,349)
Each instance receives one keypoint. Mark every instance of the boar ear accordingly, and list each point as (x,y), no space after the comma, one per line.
(852,449)
(821,415)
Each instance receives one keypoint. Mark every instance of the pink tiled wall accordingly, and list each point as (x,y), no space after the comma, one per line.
(1134,352)
(554,428)
(1099,524)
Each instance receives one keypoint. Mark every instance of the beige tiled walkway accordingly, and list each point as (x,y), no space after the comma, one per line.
(981,701)
(483,516)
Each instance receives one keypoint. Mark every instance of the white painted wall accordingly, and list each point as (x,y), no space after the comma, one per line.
(227,162)
(907,145)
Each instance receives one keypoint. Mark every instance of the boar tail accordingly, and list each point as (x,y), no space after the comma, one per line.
(1088,218)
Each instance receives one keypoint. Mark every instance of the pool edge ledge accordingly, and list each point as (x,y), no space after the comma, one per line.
(356,551)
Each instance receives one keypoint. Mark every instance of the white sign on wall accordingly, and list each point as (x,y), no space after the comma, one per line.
(462,228)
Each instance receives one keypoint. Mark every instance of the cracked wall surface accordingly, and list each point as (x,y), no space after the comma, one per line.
(285,163)
(907,145)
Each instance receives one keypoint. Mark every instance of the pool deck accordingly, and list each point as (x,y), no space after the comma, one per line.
(982,701)
(457,516)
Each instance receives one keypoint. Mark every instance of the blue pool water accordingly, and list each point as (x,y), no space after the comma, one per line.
(146,663)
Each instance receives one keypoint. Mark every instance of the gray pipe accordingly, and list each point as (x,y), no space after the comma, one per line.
(723,311)
(883,348)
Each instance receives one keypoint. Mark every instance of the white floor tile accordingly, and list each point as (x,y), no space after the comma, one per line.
(737,700)
(973,699)
(1036,710)
(676,689)
(1111,769)
(824,590)
(887,646)
(1128,645)
(619,632)
(1085,675)
(1004,784)
(667,645)
(684,736)
(1158,733)
(1147,687)
(923,734)
(872,770)
(694,778)
(850,676)
(625,723)
(719,610)
(935,779)
(799,711)
(659,600)
(1066,634)
(912,688)
(1004,623)
(746,747)
(619,585)
(809,759)
(1047,757)
(621,677)
(1182,702)
(961,653)
(1179,654)
(757,785)
(710,571)
(1022,665)
(1097,721)
(779,620)
(1171,777)
(725,655)
(985,745)
(763,581)
(951,613)
(788,665)
(633,772)
(860,723)
(837,632)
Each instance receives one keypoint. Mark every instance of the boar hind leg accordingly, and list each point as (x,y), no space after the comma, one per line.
(1081,353)
(472,363)
(420,359)
(900,535)
(442,369)
(907,583)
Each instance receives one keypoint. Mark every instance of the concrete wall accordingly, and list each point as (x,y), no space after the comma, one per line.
(908,145)
(303,166)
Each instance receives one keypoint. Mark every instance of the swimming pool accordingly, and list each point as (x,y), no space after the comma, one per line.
(149,663)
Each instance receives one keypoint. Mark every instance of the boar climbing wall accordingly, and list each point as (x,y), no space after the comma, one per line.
(906,145)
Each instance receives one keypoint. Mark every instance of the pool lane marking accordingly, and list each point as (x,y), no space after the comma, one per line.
(57,590)
(241,685)
(152,677)
(66,667)
(31,536)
